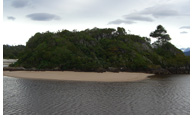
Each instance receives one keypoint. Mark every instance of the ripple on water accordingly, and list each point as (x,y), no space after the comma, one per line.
(168,95)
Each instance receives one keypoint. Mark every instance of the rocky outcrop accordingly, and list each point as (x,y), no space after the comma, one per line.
(14,69)
(112,69)
(179,70)
(170,70)
(100,70)
(160,71)
(157,71)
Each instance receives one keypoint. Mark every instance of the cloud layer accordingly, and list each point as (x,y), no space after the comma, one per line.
(150,14)
(119,21)
(138,17)
(19,3)
(183,32)
(185,27)
(160,11)
(43,17)
(11,18)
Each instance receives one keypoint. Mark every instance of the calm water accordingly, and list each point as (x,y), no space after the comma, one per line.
(158,95)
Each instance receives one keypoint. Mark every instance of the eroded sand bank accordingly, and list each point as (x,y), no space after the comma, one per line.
(78,76)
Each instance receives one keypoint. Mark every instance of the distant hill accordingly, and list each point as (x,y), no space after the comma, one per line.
(187,53)
(185,49)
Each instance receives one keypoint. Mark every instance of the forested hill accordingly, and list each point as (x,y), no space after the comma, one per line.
(12,52)
(101,50)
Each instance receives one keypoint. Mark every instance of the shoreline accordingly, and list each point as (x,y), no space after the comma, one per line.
(79,76)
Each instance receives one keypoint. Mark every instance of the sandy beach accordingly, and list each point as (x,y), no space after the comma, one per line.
(78,76)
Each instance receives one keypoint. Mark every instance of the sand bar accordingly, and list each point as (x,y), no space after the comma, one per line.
(78,76)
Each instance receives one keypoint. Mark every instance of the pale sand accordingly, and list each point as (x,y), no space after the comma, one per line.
(78,76)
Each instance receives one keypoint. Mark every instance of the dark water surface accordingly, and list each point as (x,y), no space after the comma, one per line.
(158,95)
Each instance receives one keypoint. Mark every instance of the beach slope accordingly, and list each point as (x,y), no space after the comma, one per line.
(78,76)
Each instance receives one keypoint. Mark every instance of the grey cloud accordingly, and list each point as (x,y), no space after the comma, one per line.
(19,3)
(184,32)
(119,21)
(131,18)
(43,17)
(185,27)
(11,18)
(160,11)
(138,17)
(150,14)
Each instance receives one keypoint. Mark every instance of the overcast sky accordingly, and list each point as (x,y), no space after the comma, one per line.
(23,18)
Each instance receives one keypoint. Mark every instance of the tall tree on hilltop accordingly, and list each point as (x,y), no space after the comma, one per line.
(161,34)
(121,31)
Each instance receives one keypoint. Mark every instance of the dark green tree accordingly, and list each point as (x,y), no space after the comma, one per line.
(121,31)
(161,34)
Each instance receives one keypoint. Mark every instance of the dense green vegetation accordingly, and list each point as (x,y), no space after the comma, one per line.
(12,52)
(99,50)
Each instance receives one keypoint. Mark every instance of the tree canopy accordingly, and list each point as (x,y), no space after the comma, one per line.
(98,50)
(161,34)
(12,52)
